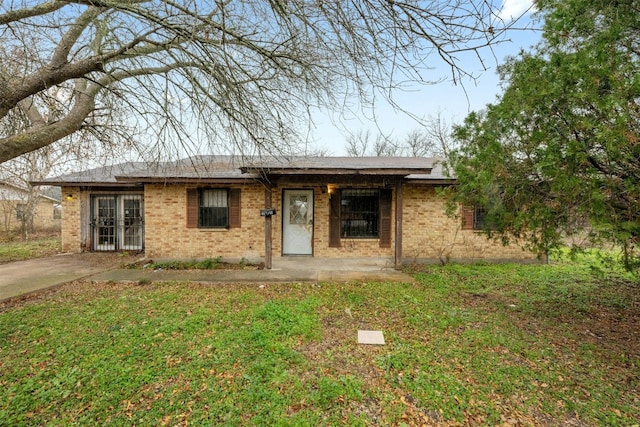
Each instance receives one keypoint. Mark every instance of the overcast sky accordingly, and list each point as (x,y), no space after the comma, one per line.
(454,102)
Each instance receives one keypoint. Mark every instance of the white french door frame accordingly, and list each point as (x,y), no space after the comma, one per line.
(117,222)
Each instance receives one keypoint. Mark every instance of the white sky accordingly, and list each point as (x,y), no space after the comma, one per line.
(512,9)
(453,102)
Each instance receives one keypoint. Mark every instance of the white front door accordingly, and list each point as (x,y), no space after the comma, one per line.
(297,222)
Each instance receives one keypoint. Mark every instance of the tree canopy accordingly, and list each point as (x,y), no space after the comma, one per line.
(241,71)
(559,152)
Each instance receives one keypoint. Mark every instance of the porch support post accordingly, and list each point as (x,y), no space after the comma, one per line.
(398,232)
(267,228)
(86,237)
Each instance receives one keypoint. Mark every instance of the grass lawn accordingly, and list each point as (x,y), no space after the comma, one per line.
(40,246)
(466,345)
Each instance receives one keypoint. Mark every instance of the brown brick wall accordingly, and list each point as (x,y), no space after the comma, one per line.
(42,216)
(349,247)
(167,235)
(428,234)
(71,221)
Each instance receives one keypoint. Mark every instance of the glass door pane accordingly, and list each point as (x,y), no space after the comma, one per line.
(131,223)
(104,237)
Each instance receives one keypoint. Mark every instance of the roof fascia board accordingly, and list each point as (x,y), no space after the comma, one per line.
(384,172)
(431,181)
(181,180)
(84,184)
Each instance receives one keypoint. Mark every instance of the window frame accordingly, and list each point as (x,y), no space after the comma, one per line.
(370,208)
(479,217)
(57,211)
(201,192)
(21,211)
(385,227)
(234,205)
(474,218)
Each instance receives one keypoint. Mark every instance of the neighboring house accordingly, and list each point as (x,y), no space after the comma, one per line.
(256,209)
(14,204)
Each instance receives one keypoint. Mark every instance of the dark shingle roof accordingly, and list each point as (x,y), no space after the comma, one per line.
(235,168)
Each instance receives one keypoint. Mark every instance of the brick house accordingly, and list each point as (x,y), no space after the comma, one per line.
(15,202)
(259,209)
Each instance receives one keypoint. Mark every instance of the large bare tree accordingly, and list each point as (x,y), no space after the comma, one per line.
(245,72)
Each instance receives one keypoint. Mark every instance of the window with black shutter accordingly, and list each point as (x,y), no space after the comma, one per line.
(359,213)
(213,208)
(474,218)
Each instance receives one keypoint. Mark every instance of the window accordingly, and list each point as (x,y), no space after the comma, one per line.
(359,210)
(360,213)
(213,208)
(21,211)
(57,212)
(474,218)
(479,216)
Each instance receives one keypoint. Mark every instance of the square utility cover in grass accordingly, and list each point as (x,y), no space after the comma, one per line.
(370,337)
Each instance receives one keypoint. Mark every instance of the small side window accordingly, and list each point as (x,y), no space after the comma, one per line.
(21,211)
(213,208)
(479,217)
(473,217)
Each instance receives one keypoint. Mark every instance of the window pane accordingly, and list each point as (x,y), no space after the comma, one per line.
(214,211)
(359,212)
(21,211)
(479,218)
(298,209)
(214,198)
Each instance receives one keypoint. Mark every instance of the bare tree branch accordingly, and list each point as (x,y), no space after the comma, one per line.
(239,73)
(28,12)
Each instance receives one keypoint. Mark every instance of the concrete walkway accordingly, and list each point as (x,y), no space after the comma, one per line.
(287,269)
(23,277)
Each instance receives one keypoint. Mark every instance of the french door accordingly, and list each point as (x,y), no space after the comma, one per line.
(118,222)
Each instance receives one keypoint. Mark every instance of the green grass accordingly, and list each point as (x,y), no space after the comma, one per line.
(204,264)
(480,345)
(21,250)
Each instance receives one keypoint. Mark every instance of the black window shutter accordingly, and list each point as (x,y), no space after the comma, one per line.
(385,218)
(467,217)
(192,208)
(234,208)
(334,219)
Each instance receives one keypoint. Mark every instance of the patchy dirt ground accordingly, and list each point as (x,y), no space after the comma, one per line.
(609,323)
